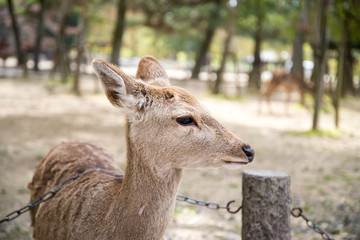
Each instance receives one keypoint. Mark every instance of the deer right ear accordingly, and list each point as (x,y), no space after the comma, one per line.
(115,83)
(151,71)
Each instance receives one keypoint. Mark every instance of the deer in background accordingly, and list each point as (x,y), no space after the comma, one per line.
(167,130)
(287,81)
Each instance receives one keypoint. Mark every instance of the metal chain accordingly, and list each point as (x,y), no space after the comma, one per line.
(295,212)
(210,205)
(43,198)
(298,212)
(50,194)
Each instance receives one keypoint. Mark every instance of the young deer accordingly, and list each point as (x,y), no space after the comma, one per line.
(287,81)
(167,130)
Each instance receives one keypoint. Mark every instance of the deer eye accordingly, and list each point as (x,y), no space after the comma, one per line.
(186,121)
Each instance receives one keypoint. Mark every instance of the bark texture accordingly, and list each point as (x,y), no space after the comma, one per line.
(319,47)
(210,32)
(230,31)
(39,34)
(255,74)
(16,30)
(266,204)
(302,27)
(118,32)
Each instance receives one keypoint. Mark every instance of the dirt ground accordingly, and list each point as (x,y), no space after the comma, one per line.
(324,170)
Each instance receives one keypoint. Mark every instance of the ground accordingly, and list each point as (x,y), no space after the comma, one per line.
(324,168)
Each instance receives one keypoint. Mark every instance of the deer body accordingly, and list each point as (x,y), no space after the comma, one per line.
(287,81)
(167,130)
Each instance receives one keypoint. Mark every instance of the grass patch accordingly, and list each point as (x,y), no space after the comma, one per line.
(234,185)
(332,133)
(328,178)
(18,234)
(311,187)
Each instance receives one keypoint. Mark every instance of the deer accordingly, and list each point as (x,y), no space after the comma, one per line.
(167,131)
(287,81)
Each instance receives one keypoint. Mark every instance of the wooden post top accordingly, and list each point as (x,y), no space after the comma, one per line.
(266,173)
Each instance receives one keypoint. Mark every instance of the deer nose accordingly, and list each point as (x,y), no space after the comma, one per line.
(249,152)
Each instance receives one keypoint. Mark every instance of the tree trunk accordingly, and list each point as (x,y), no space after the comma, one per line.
(266,205)
(255,75)
(210,32)
(297,57)
(348,84)
(320,46)
(220,73)
(62,48)
(80,48)
(341,75)
(118,32)
(16,30)
(39,34)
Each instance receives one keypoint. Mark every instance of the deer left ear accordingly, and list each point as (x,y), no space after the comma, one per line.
(151,71)
(121,90)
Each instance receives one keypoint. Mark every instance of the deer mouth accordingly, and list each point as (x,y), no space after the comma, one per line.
(235,162)
(233,165)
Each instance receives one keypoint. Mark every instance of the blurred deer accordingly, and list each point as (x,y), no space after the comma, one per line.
(167,130)
(289,82)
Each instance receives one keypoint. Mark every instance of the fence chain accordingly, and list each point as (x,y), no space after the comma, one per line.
(295,212)
(210,205)
(43,198)
(298,212)
(50,194)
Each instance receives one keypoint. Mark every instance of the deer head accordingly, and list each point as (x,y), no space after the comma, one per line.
(167,127)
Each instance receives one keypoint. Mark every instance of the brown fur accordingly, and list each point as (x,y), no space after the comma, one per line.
(289,82)
(103,203)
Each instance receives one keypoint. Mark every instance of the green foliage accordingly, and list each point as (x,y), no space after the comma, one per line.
(278,18)
(171,28)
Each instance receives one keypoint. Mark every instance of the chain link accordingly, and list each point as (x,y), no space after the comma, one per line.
(210,205)
(43,198)
(298,212)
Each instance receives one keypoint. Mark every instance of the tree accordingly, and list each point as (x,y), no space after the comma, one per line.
(83,19)
(205,45)
(229,34)
(254,77)
(339,85)
(118,31)
(39,34)
(302,26)
(264,20)
(319,46)
(347,15)
(16,31)
(61,43)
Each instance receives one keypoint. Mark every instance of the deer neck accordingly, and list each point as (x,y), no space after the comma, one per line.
(146,199)
(141,178)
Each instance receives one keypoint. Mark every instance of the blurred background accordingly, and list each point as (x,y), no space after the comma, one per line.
(284,75)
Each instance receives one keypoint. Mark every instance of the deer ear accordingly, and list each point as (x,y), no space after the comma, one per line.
(151,71)
(120,89)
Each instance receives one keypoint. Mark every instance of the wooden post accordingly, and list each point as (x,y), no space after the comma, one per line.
(266,205)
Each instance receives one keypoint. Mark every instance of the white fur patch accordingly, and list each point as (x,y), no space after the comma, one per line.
(141,209)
